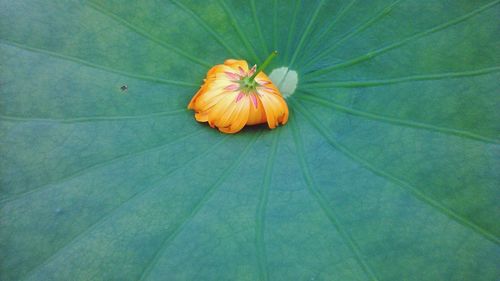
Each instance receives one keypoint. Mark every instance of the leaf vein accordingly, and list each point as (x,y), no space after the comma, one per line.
(95,166)
(372,54)
(397,80)
(275,24)
(100,221)
(205,198)
(148,36)
(96,66)
(236,26)
(319,197)
(258,27)
(90,118)
(332,24)
(393,179)
(391,120)
(207,27)
(292,28)
(355,31)
(306,33)
(261,211)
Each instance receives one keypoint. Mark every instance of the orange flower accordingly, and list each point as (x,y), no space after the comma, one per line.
(233,96)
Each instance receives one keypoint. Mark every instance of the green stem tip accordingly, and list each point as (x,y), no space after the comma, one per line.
(264,64)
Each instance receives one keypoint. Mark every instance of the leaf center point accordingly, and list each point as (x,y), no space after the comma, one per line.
(285,79)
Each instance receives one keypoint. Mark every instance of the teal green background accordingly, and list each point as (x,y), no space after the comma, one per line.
(387,170)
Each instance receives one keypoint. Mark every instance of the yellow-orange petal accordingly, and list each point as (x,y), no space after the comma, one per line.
(222,106)
(223,102)
(229,114)
(257,115)
(209,99)
(284,118)
(236,64)
(211,82)
(240,119)
(276,109)
(201,116)
(267,103)
(193,100)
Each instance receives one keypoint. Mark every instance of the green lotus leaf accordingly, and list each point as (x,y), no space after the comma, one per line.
(388,168)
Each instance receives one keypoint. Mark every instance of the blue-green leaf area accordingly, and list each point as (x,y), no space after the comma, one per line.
(387,169)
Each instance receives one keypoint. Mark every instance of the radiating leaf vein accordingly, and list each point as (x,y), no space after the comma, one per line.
(336,19)
(261,211)
(243,36)
(306,33)
(103,219)
(208,28)
(370,55)
(380,15)
(198,206)
(291,29)
(96,66)
(391,120)
(397,80)
(91,118)
(99,165)
(148,36)
(398,182)
(258,27)
(323,203)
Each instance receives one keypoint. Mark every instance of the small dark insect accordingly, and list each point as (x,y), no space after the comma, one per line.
(124,88)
